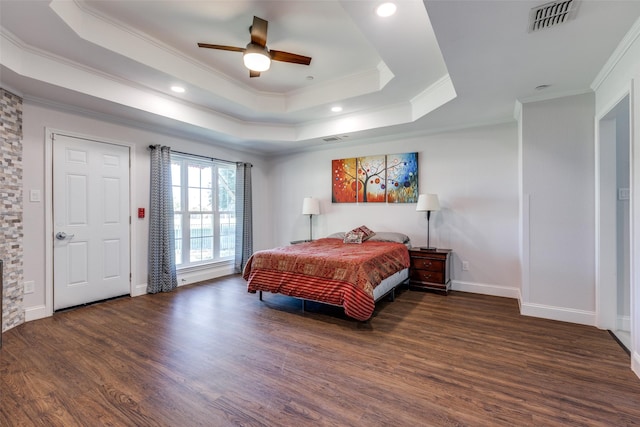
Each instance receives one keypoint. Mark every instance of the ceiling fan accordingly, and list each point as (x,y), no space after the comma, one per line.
(256,56)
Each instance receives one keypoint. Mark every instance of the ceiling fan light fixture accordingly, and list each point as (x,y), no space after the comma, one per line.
(386,9)
(256,58)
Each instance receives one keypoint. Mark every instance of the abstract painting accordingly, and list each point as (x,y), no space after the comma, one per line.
(344,177)
(402,178)
(389,178)
(371,176)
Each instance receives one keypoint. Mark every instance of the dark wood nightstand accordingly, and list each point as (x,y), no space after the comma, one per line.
(430,270)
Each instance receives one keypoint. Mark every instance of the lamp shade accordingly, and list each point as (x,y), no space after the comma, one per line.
(310,206)
(428,202)
(256,58)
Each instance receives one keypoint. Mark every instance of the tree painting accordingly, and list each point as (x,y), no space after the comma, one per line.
(344,181)
(371,176)
(402,178)
(375,179)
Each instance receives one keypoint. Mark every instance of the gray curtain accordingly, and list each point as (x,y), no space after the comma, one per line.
(244,227)
(162,256)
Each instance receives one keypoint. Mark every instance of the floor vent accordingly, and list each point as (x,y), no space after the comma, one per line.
(551,14)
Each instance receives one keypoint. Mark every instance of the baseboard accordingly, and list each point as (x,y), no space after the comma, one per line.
(139,290)
(485,289)
(199,274)
(36,312)
(192,275)
(623,323)
(561,314)
(528,309)
(635,363)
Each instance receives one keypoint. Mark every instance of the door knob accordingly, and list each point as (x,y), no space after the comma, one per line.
(61,235)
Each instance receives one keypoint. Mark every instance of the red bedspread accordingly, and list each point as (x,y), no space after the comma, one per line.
(327,270)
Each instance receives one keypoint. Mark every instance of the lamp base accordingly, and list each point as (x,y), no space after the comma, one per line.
(429,249)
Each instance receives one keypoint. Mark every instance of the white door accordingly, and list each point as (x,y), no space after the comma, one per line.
(90,221)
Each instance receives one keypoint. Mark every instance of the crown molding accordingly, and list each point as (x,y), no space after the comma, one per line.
(620,51)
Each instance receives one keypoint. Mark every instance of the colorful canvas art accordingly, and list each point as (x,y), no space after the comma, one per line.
(402,178)
(344,178)
(371,176)
(375,179)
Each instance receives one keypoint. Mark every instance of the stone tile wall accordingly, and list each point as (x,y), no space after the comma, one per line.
(11,208)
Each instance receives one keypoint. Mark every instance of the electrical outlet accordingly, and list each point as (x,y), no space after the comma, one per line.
(29,287)
(465,265)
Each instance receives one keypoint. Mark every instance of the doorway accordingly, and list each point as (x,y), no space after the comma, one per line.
(91,224)
(614,264)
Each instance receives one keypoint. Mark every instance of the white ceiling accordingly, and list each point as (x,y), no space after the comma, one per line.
(434,65)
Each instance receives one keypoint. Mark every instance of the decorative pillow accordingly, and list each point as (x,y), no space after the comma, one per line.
(353,237)
(366,232)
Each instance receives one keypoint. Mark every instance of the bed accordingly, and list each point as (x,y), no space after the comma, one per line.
(332,271)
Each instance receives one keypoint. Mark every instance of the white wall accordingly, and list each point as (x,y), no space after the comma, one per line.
(475,174)
(37,117)
(558,181)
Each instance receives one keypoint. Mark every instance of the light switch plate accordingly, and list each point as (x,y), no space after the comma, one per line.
(34,195)
(623,194)
(29,287)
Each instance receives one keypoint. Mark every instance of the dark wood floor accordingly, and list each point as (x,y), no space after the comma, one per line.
(213,355)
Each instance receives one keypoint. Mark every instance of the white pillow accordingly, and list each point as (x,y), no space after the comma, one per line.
(390,236)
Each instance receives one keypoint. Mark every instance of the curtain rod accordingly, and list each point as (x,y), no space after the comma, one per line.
(201,156)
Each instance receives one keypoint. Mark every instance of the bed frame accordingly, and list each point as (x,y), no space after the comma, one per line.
(386,288)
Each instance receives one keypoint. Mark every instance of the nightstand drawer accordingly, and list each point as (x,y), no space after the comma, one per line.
(430,269)
(427,264)
(427,276)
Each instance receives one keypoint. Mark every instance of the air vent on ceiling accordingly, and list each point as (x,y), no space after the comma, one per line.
(551,14)
(332,139)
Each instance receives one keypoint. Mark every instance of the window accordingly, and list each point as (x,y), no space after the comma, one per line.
(204,204)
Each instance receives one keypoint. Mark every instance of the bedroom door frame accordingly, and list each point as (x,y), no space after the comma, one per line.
(49,226)
(608,244)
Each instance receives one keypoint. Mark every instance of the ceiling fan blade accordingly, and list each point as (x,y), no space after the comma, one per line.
(258,45)
(278,55)
(259,31)
(221,47)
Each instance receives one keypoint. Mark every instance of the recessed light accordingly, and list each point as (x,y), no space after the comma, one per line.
(336,109)
(386,9)
(542,87)
(177,89)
